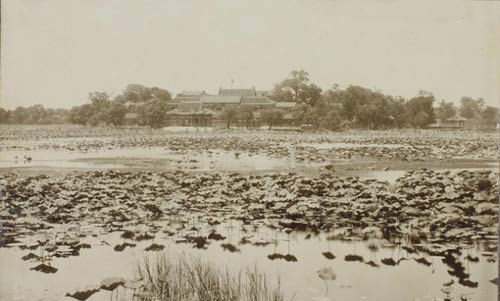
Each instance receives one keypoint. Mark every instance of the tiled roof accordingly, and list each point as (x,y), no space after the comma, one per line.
(256,100)
(238,92)
(220,99)
(286,104)
(190,108)
(191,93)
(131,116)
(180,99)
(456,118)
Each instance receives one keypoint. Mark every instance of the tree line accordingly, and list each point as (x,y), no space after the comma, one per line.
(332,109)
(469,108)
(149,105)
(36,114)
(359,107)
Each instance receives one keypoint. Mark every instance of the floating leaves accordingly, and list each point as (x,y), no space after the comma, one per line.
(328,255)
(47,269)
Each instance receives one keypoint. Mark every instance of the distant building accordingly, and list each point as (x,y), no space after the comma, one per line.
(288,108)
(185,96)
(197,108)
(190,114)
(190,95)
(238,92)
(455,122)
(458,122)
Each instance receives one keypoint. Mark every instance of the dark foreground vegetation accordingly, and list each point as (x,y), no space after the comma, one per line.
(425,213)
(189,278)
(332,109)
(441,206)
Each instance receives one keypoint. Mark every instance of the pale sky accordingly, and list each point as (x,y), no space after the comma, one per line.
(54,52)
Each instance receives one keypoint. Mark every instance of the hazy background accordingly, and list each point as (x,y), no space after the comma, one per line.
(54,52)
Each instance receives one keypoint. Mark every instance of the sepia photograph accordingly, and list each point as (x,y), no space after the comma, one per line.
(249,150)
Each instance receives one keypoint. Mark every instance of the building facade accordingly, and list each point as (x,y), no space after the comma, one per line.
(199,109)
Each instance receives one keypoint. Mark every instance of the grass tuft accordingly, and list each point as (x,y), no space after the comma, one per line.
(189,278)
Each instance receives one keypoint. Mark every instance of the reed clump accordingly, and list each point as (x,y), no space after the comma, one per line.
(185,277)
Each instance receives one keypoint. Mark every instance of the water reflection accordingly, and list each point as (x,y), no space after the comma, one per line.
(365,269)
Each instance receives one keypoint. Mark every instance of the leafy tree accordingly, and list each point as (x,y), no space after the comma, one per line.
(152,113)
(116,113)
(301,111)
(20,115)
(81,115)
(97,119)
(364,107)
(420,111)
(397,112)
(272,117)
(352,99)
(100,101)
(160,94)
(421,120)
(136,93)
(366,115)
(310,94)
(246,115)
(445,110)
(491,115)
(312,116)
(54,116)
(229,115)
(36,114)
(332,121)
(149,103)
(297,88)
(4,115)
(470,107)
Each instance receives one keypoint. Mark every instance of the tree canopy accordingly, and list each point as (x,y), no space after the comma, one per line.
(445,110)
(470,107)
(230,115)
(271,117)
(297,88)
(150,104)
(36,114)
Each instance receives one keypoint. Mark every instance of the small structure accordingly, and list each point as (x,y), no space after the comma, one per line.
(190,114)
(455,122)
(288,108)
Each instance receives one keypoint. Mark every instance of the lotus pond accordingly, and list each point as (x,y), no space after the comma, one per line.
(393,215)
